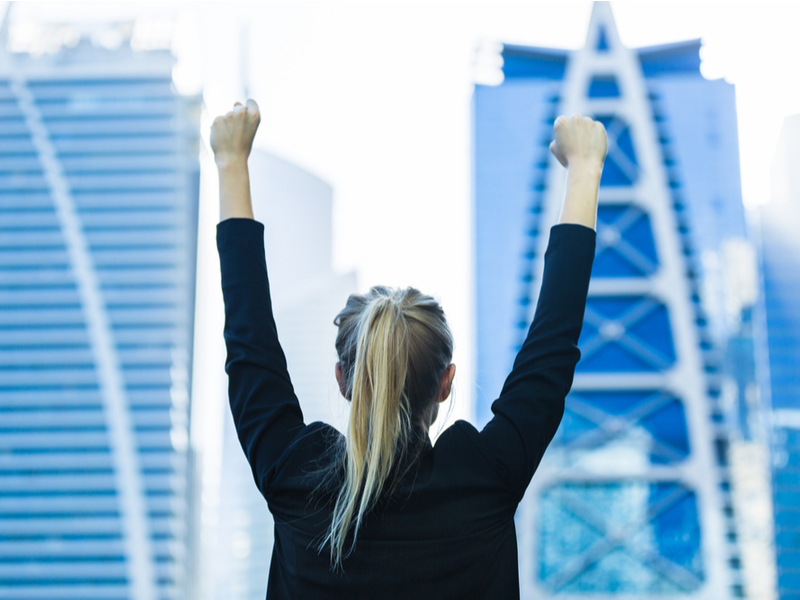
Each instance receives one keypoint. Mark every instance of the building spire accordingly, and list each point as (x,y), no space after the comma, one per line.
(602,35)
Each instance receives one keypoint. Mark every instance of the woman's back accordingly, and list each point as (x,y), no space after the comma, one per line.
(447,527)
(446,531)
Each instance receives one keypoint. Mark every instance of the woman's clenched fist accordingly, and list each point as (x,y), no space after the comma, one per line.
(232,133)
(579,140)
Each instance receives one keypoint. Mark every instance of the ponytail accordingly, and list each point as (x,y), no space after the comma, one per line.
(394,347)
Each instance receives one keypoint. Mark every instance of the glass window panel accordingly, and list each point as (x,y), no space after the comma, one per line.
(563,535)
(634,537)
(625,144)
(609,263)
(626,334)
(604,87)
(619,573)
(614,357)
(613,174)
(625,244)
(621,164)
(640,235)
(624,427)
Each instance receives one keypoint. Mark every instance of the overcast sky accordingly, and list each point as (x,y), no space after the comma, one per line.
(375,98)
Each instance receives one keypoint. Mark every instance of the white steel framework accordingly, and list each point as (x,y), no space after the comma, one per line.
(630,469)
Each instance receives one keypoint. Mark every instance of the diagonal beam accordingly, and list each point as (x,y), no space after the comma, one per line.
(677,573)
(644,351)
(623,162)
(592,317)
(628,218)
(637,312)
(622,537)
(592,346)
(634,256)
(610,426)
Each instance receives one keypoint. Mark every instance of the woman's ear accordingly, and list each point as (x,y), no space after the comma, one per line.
(340,379)
(446,383)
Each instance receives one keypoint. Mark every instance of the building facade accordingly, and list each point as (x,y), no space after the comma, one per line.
(634,495)
(98,206)
(780,318)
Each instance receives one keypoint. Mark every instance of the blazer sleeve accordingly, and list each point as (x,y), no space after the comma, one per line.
(531,404)
(265,409)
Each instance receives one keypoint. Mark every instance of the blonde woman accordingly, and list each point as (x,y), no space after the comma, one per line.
(381,512)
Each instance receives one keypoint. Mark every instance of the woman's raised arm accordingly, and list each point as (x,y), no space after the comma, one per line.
(531,405)
(231,140)
(265,409)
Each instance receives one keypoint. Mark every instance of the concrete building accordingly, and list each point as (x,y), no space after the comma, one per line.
(634,497)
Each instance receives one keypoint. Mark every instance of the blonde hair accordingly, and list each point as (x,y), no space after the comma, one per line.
(394,346)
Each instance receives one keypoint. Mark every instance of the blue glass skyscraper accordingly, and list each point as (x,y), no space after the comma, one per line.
(633,497)
(98,203)
(780,261)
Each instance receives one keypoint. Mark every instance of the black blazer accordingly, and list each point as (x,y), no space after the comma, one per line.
(448,529)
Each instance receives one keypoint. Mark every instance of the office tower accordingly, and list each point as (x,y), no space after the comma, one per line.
(296,209)
(633,496)
(780,258)
(98,200)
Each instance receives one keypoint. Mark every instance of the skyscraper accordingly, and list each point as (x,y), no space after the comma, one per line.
(633,497)
(780,259)
(98,200)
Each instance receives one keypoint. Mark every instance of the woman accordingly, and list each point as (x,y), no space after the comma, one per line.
(380,512)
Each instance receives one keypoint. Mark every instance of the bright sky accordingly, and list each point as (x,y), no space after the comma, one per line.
(375,98)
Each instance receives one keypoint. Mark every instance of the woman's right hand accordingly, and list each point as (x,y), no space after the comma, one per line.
(232,133)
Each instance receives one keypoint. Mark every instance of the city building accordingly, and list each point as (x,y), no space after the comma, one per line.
(99,178)
(779,222)
(634,497)
(296,208)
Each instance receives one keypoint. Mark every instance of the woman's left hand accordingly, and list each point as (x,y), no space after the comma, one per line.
(232,134)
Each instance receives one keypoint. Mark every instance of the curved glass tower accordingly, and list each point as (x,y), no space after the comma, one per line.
(98,199)
(632,498)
